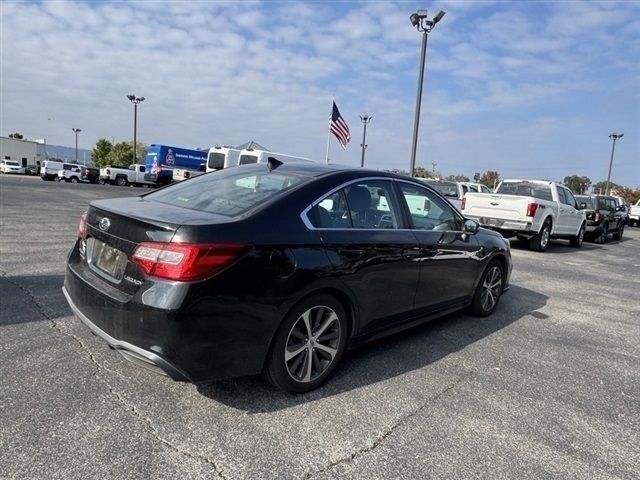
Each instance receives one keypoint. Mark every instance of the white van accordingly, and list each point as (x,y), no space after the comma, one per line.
(249,155)
(222,157)
(50,169)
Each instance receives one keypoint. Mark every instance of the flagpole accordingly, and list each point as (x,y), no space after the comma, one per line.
(326,158)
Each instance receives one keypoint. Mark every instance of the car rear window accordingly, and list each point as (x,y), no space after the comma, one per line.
(228,192)
(588,201)
(526,189)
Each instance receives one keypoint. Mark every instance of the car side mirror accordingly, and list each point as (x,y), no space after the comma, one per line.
(471,226)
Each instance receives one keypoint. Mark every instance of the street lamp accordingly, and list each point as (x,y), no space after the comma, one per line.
(76,131)
(420,21)
(614,136)
(135,100)
(365,119)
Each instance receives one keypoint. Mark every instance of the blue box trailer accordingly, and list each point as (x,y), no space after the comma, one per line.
(162,159)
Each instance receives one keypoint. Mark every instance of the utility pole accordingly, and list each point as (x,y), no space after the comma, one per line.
(433,169)
(77,131)
(614,136)
(419,20)
(135,100)
(365,119)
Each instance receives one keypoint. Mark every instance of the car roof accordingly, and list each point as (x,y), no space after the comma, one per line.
(317,169)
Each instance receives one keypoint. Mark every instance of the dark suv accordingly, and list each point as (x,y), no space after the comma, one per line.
(89,174)
(603,217)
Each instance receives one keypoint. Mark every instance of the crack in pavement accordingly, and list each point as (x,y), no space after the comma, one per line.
(381,438)
(98,366)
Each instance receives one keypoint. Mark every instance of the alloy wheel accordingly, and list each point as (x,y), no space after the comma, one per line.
(544,240)
(491,288)
(312,344)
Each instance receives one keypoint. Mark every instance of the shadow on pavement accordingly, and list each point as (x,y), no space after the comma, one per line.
(28,298)
(386,358)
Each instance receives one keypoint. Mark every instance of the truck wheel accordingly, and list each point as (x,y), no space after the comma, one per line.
(121,181)
(602,237)
(74,180)
(540,242)
(578,239)
(618,233)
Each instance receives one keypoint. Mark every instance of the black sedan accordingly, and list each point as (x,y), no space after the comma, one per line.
(276,269)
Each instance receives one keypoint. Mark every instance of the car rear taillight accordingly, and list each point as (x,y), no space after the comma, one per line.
(464,201)
(596,217)
(108,172)
(532,208)
(82,228)
(186,175)
(185,261)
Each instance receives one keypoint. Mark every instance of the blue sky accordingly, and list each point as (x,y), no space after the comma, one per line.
(531,89)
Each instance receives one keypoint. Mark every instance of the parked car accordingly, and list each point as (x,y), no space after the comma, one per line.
(180,174)
(11,166)
(69,173)
(90,174)
(194,280)
(477,187)
(531,210)
(623,208)
(50,169)
(31,170)
(634,214)
(134,175)
(453,191)
(603,217)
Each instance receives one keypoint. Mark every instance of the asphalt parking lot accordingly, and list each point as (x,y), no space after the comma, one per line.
(548,387)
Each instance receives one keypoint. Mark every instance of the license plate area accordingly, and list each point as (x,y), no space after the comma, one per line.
(105,260)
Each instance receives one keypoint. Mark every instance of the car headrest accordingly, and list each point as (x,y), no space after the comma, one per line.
(359,198)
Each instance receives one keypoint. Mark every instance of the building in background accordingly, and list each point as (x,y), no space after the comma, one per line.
(26,152)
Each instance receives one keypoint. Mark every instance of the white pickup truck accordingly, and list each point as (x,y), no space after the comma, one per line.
(134,175)
(531,210)
(634,214)
(180,174)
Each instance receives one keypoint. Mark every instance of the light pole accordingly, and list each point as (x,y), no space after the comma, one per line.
(433,169)
(365,119)
(135,100)
(76,131)
(614,136)
(419,20)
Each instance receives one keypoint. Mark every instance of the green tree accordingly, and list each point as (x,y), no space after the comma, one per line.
(457,178)
(490,178)
(601,187)
(422,172)
(121,154)
(100,153)
(577,184)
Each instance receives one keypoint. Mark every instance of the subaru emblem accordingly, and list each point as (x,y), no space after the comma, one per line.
(104,224)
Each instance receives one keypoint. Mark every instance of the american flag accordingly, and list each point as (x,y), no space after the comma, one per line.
(339,127)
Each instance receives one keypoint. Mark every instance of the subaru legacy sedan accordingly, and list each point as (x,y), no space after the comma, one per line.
(276,268)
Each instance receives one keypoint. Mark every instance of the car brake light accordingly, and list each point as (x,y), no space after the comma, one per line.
(186,175)
(596,217)
(464,201)
(108,172)
(185,261)
(82,228)
(532,208)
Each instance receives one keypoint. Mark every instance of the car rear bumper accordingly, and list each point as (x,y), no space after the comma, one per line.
(129,351)
(506,227)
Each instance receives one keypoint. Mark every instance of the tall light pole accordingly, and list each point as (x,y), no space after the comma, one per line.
(364,119)
(420,21)
(135,100)
(614,136)
(76,131)
(433,169)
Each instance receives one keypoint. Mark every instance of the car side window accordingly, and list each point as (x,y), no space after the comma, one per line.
(561,197)
(427,210)
(571,200)
(365,205)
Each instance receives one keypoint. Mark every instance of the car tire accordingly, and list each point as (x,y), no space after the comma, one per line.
(489,290)
(74,180)
(56,179)
(121,182)
(602,236)
(578,240)
(301,358)
(540,241)
(618,233)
